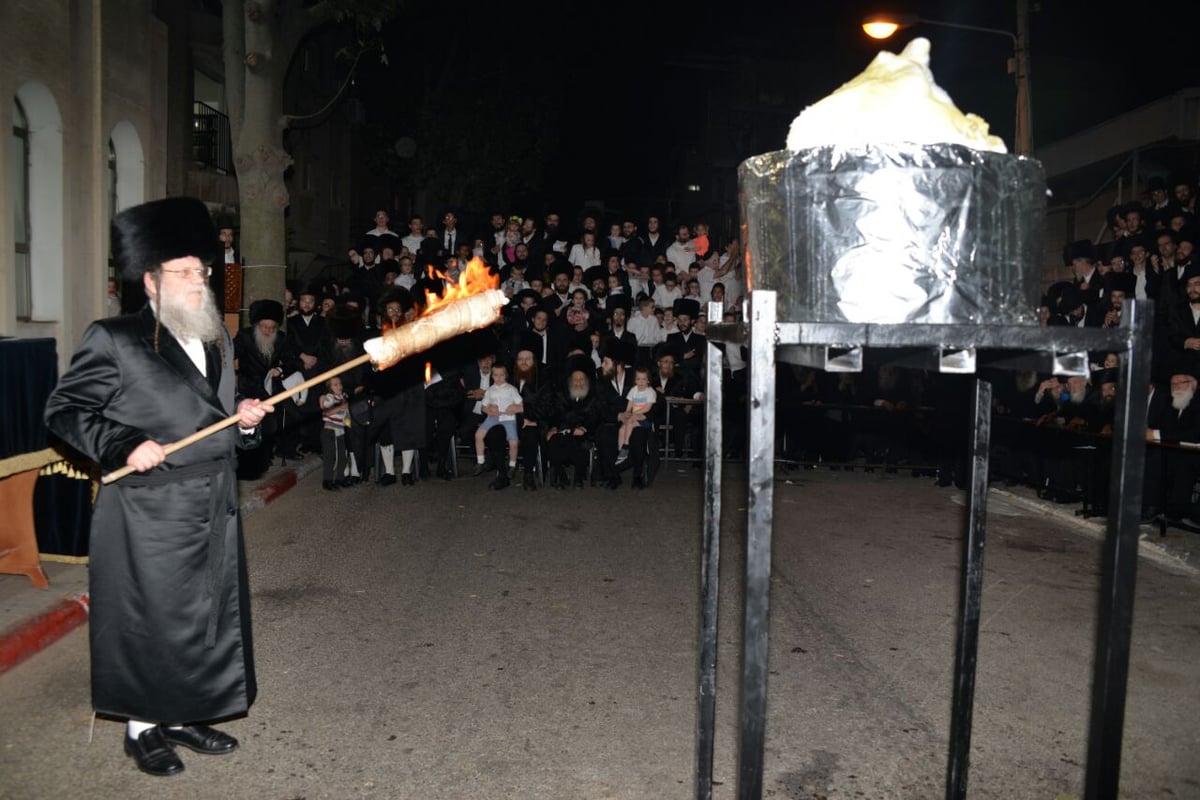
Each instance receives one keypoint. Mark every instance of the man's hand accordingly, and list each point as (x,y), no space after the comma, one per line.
(1191,343)
(275,372)
(308,361)
(146,455)
(475,394)
(528,423)
(580,431)
(252,412)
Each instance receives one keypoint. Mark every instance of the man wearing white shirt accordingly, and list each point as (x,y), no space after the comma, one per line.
(681,252)
(416,235)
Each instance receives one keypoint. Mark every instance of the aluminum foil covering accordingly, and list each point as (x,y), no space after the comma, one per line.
(938,234)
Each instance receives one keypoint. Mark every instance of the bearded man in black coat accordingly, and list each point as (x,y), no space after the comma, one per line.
(170,605)
(572,424)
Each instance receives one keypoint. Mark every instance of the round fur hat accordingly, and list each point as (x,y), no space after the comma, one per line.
(146,236)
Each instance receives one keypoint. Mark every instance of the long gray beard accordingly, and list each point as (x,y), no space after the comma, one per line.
(265,344)
(203,323)
(578,394)
(1078,396)
(1181,399)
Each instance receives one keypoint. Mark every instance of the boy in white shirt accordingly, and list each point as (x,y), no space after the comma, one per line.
(501,403)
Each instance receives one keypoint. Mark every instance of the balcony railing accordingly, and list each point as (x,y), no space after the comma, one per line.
(212,144)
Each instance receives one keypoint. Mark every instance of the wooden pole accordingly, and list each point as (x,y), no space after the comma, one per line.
(116,475)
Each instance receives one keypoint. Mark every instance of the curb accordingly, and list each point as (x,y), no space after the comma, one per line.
(36,634)
(45,629)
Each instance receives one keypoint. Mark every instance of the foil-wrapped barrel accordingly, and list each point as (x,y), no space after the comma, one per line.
(936,234)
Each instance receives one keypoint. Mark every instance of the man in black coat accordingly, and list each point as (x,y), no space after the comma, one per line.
(573,422)
(537,400)
(264,360)
(612,398)
(170,610)
(689,347)
(1173,417)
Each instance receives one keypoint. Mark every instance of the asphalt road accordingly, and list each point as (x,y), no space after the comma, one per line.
(444,642)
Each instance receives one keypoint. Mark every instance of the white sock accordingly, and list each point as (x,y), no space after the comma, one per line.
(478,459)
(136,727)
(406,460)
(353,466)
(511,464)
(387,453)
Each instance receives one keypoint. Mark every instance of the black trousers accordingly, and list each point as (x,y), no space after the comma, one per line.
(566,449)
(641,445)
(334,462)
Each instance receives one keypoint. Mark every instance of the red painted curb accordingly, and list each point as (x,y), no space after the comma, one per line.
(43,630)
(277,487)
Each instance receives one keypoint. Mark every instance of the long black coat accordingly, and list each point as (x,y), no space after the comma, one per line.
(170,611)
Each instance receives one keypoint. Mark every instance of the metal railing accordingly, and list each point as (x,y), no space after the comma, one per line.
(212,142)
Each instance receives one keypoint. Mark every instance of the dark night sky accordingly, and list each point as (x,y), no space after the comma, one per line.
(627,94)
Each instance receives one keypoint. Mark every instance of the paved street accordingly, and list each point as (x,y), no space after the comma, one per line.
(443,642)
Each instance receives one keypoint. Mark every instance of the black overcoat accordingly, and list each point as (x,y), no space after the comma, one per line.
(170,612)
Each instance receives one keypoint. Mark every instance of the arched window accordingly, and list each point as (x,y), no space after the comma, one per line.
(46,276)
(18,173)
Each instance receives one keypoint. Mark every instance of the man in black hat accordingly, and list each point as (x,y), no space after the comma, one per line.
(689,347)
(170,613)
(619,307)
(1119,289)
(264,359)
(1183,330)
(1173,417)
(1080,256)
(572,424)
(612,395)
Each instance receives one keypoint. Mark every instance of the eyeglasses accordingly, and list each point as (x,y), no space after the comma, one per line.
(203,273)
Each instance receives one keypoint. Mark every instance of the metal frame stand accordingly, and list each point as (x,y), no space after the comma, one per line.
(950,349)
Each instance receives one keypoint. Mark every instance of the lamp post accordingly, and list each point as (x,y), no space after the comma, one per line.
(881,26)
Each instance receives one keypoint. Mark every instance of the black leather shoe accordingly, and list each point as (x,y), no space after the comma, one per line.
(480,469)
(152,753)
(406,479)
(202,739)
(387,480)
(501,482)
(330,486)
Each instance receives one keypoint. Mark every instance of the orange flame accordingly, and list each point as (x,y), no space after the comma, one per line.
(473,279)
(428,372)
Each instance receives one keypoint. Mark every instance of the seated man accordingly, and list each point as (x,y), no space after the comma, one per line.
(616,383)
(1171,473)
(572,425)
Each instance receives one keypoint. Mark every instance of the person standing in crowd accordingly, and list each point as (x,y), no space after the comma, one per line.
(167,575)
(335,413)
(264,358)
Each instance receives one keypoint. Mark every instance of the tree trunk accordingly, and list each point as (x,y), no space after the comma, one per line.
(256,60)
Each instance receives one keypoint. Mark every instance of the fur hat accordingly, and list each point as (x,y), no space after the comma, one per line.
(1081,248)
(266,309)
(686,305)
(619,300)
(619,351)
(146,236)
(344,322)
(1121,282)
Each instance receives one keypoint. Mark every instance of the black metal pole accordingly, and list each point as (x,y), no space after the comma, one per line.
(1119,572)
(706,718)
(970,595)
(761,477)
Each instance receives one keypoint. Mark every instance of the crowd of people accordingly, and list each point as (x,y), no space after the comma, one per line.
(1147,254)
(603,326)
(569,388)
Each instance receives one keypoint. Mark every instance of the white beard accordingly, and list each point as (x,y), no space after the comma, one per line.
(1078,396)
(265,344)
(203,323)
(1181,399)
(578,394)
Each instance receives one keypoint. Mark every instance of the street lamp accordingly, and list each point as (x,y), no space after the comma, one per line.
(881,26)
